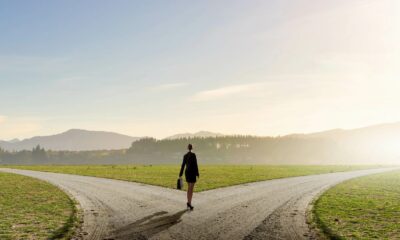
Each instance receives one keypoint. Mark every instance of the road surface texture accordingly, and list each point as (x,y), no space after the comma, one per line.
(274,209)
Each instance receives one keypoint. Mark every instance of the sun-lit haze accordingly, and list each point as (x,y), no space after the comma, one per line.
(157,68)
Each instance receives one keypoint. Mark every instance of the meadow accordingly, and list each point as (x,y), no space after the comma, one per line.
(211,176)
(362,208)
(33,209)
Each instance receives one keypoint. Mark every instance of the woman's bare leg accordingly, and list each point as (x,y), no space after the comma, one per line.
(190,192)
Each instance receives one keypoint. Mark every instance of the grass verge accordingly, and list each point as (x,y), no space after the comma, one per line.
(363,208)
(211,176)
(34,209)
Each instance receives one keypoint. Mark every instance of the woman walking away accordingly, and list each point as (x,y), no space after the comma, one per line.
(191,172)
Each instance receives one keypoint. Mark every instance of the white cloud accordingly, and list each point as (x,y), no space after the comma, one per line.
(226,91)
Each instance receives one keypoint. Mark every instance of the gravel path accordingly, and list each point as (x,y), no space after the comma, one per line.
(274,209)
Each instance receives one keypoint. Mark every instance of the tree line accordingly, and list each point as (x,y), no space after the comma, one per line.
(212,150)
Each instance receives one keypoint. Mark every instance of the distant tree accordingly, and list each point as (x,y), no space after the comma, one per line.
(144,145)
(1,154)
(39,155)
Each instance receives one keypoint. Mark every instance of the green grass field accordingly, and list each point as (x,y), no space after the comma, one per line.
(33,209)
(211,176)
(362,208)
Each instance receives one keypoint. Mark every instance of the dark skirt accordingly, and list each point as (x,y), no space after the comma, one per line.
(190,178)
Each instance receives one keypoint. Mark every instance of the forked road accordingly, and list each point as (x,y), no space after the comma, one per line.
(274,209)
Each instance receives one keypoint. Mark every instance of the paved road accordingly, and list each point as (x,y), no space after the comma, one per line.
(274,209)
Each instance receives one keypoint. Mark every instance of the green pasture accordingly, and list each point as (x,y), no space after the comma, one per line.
(33,209)
(211,176)
(363,208)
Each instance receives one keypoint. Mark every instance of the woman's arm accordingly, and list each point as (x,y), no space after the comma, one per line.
(182,167)
(195,164)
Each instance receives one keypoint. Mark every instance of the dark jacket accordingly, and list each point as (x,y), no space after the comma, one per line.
(190,161)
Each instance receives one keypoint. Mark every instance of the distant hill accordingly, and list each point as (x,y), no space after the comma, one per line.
(377,143)
(201,134)
(5,144)
(381,132)
(73,140)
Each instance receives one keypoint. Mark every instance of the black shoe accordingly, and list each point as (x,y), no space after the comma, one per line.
(189,206)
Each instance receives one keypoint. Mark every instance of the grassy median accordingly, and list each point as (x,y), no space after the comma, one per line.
(33,209)
(363,208)
(211,176)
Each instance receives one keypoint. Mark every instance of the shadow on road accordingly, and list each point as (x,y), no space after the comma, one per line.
(147,226)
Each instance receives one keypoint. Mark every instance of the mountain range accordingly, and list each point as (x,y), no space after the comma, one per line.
(385,136)
(73,140)
(380,130)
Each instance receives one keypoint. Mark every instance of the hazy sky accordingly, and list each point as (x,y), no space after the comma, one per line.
(157,68)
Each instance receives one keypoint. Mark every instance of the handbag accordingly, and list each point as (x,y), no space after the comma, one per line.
(179,183)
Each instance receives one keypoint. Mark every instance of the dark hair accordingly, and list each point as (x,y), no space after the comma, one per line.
(190,147)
